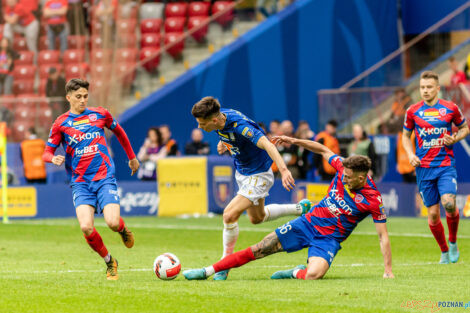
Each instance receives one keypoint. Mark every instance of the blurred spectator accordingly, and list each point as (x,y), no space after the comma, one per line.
(7,56)
(32,149)
(327,138)
(76,17)
(466,68)
(106,12)
(170,144)
(274,128)
(20,19)
(458,76)
(362,145)
(55,12)
(288,151)
(197,146)
(266,8)
(399,107)
(55,90)
(152,150)
(404,167)
(304,161)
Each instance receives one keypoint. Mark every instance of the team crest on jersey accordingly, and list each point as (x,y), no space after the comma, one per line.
(93,117)
(442,111)
(358,198)
(246,132)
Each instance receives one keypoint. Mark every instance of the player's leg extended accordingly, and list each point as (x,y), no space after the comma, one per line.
(452,216)
(116,223)
(269,245)
(262,213)
(437,229)
(316,269)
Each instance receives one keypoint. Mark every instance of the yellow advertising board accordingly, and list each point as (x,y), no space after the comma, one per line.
(182,186)
(316,192)
(22,202)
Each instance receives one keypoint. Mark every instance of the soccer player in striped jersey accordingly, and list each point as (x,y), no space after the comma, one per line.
(431,119)
(351,197)
(87,160)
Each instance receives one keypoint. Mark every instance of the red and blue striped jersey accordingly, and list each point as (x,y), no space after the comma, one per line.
(87,156)
(430,124)
(338,213)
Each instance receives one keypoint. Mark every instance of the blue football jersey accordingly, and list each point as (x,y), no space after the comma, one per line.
(240,135)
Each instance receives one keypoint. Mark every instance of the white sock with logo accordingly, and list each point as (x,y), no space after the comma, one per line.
(230,236)
(274,211)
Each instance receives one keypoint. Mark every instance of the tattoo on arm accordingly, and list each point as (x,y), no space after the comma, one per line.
(269,245)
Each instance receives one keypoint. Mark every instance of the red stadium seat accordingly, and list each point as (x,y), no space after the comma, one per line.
(101,55)
(96,42)
(75,71)
(126,55)
(48,57)
(44,69)
(150,41)
(198,8)
(26,58)
(44,43)
(22,87)
(24,72)
(177,41)
(74,56)
(19,129)
(19,44)
(219,6)
(8,101)
(76,42)
(152,55)
(174,24)
(177,9)
(25,111)
(128,40)
(126,26)
(151,25)
(195,22)
(125,72)
(99,71)
(42,87)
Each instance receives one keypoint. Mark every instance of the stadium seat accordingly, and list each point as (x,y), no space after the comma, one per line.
(126,72)
(25,58)
(101,55)
(152,56)
(25,111)
(126,55)
(19,129)
(74,56)
(128,40)
(126,26)
(48,57)
(225,18)
(198,8)
(99,71)
(8,101)
(19,43)
(96,42)
(44,43)
(75,71)
(174,24)
(177,39)
(151,25)
(151,10)
(195,22)
(176,9)
(76,42)
(24,72)
(44,69)
(150,41)
(22,87)
(42,87)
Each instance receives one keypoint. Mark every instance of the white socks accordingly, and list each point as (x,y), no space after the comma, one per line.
(274,211)
(209,271)
(230,236)
(107,258)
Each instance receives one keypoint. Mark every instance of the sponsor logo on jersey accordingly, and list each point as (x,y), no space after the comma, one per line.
(433,143)
(442,111)
(85,136)
(246,132)
(431,113)
(87,150)
(423,132)
(93,117)
(85,121)
(340,201)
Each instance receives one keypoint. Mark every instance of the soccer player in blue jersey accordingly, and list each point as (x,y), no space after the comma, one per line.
(351,197)
(87,159)
(253,155)
(431,119)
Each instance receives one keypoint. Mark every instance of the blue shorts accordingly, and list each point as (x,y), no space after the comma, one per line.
(434,182)
(97,193)
(299,233)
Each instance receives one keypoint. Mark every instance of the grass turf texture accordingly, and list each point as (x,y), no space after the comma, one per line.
(46,266)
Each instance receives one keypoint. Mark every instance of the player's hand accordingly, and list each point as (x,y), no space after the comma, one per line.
(58,160)
(415,161)
(287,180)
(134,165)
(449,140)
(221,148)
(277,140)
(388,275)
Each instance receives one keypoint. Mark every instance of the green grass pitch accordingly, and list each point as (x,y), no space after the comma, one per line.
(46,266)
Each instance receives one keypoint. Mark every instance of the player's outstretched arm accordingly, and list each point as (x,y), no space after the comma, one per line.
(459,135)
(125,143)
(313,146)
(287,179)
(385,248)
(408,145)
(48,156)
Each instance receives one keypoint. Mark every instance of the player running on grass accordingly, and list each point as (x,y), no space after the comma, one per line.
(352,196)
(81,132)
(253,155)
(432,119)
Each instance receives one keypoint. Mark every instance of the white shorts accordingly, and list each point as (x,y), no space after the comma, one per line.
(256,186)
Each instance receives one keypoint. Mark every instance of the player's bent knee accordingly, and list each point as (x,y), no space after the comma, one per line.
(314,275)
(255,219)
(87,229)
(114,225)
(229,217)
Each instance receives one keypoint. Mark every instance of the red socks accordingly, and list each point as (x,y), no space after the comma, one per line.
(453,224)
(234,260)
(301,274)
(121,225)
(96,243)
(438,231)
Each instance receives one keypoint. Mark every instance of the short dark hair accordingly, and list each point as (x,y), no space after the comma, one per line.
(333,123)
(430,75)
(158,133)
(206,107)
(451,59)
(358,163)
(75,84)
